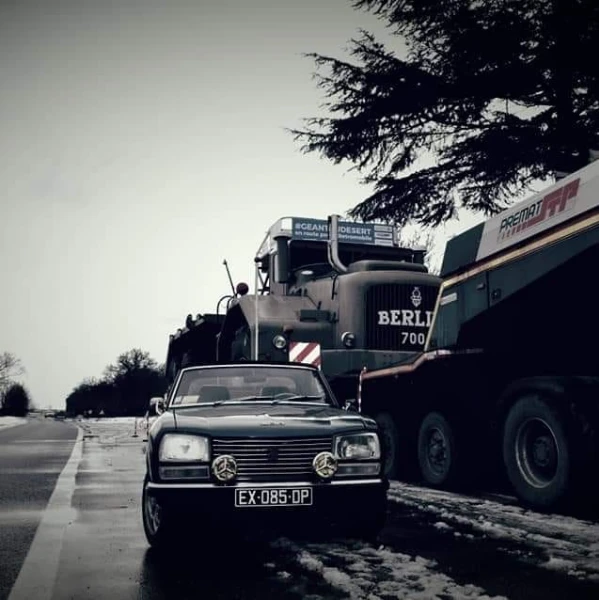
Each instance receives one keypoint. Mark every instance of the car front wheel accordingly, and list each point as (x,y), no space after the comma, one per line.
(156,519)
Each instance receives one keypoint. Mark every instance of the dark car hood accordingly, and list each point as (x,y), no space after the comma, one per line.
(268,420)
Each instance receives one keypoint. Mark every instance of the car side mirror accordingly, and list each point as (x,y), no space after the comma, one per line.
(350,405)
(157,405)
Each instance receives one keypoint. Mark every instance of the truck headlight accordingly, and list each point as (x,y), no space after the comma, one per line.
(357,446)
(279,342)
(348,339)
(183,448)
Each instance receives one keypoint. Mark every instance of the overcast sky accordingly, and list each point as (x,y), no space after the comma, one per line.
(142,143)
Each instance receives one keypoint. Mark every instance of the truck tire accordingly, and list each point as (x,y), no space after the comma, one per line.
(390,444)
(437,451)
(537,453)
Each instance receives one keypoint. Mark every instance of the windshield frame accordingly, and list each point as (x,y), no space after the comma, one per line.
(330,399)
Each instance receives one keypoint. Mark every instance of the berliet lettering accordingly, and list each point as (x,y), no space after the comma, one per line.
(405,317)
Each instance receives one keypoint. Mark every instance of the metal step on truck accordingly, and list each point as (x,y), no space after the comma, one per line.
(508,383)
(338,294)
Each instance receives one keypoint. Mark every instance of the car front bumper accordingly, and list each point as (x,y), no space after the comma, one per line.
(335,502)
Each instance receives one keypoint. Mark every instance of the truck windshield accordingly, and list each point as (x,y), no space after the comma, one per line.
(249,383)
(305,255)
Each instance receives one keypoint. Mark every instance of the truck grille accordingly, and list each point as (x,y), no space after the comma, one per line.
(397,316)
(288,459)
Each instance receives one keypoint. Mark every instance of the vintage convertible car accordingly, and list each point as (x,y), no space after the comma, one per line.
(257,444)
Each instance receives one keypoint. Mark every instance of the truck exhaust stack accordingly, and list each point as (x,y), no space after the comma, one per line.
(333,245)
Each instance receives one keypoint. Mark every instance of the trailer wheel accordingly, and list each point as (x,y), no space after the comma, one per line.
(437,453)
(390,443)
(537,453)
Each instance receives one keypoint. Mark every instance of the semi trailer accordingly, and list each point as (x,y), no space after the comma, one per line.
(338,294)
(508,380)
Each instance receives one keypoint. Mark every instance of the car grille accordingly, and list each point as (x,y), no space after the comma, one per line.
(288,459)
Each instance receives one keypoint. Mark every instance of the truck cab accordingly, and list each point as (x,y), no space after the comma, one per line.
(351,288)
(336,294)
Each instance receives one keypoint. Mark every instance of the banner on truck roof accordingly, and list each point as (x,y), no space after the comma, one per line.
(355,233)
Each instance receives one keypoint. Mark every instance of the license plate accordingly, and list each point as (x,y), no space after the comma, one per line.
(273,497)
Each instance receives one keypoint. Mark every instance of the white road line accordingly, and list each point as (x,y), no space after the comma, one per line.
(38,573)
(40,442)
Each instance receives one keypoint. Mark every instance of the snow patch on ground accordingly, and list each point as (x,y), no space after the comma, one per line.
(363,572)
(113,429)
(6,422)
(113,420)
(570,544)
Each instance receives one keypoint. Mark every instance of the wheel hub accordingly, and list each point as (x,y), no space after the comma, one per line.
(543,451)
(437,450)
(152,509)
(537,452)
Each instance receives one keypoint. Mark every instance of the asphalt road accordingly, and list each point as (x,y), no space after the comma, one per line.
(89,542)
(31,458)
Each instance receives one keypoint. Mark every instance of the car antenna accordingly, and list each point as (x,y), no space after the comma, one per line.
(229,275)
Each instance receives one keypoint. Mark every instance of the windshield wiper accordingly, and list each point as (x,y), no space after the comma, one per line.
(301,397)
(244,398)
(287,397)
(196,404)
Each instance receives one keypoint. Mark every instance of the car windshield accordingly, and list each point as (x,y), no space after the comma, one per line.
(249,383)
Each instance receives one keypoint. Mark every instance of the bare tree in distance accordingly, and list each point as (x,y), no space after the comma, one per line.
(10,368)
(130,362)
(423,238)
(492,98)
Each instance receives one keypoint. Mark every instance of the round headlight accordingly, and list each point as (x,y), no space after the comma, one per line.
(224,467)
(279,342)
(357,446)
(348,339)
(325,465)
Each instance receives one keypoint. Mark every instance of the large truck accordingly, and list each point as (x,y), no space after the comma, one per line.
(338,294)
(508,381)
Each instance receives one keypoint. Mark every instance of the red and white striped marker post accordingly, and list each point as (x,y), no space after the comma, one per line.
(305,352)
